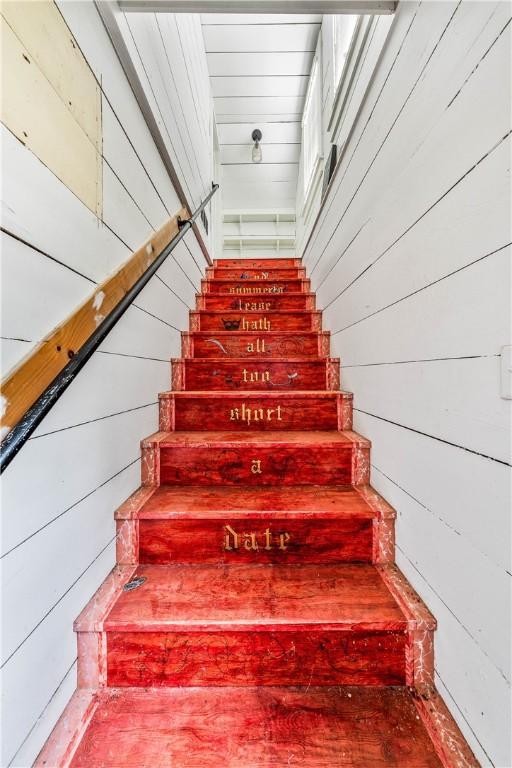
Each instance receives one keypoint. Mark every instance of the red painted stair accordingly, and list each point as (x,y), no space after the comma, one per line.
(291,373)
(255,617)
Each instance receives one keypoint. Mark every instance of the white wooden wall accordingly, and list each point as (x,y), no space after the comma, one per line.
(60,492)
(168,52)
(412,268)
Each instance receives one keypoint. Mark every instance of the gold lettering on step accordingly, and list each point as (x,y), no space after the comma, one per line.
(253,376)
(230,534)
(243,289)
(250,415)
(253,541)
(262,324)
(258,347)
(253,306)
(250,541)
(256,466)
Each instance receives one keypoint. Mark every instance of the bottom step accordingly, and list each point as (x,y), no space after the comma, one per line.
(342,727)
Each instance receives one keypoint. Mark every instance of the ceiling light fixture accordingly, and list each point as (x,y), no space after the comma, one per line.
(257,155)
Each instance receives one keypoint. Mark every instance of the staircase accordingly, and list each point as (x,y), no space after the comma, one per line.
(255,617)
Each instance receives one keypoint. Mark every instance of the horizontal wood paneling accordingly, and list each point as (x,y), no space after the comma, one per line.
(80,242)
(259,80)
(60,492)
(44,34)
(93,39)
(51,650)
(50,290)
(475,228)
(260,37)
(166,51)
(274,153)
(266,172)
(61,122)
(279,194)
(410,261)
(208,19)
(128,168)
(478,683)
(27,382)
(253,64)
(457,414)
(13,350)
(464,334)
(40,731)
(274,133)
(237,85)
(253,106)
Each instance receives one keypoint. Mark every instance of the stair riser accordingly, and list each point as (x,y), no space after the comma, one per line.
(256,304)
(252,539)
(197,375)
(195,658)
(256,321)
(214,465)
(255,288)
(244,413)
(257,263)
(262,275)
(262,344)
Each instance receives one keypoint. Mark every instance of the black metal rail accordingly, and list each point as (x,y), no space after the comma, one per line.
(19,435)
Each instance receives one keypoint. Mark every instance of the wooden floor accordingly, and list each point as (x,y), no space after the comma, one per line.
(256,728)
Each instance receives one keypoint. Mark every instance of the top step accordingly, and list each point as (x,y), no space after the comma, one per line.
(258,263)
(269,273)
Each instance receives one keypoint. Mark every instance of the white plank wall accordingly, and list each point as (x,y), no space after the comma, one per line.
(61,491)
(259,67)
(411,261)
(168,53)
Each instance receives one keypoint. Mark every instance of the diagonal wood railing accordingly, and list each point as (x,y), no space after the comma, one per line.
(34,386)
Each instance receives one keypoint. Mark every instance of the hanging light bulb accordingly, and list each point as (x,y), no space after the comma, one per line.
(257,155)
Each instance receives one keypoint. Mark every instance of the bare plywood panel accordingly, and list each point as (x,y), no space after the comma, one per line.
(51,101)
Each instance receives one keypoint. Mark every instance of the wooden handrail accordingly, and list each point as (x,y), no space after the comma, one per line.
(35,385)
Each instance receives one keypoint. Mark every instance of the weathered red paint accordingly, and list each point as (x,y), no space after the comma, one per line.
(197,374)
(247,411)
(263,274)
(255,288)
(310,539)
(256,728)
(211,458)
(262,320)
(250,344)
(296,302)
(268,562)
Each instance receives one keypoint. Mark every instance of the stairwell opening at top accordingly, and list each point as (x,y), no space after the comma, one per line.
(244,563)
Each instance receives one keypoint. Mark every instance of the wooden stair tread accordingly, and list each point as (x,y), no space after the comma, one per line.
(198,502)
(260,394)
(254,597)
(267,439)
(352,727)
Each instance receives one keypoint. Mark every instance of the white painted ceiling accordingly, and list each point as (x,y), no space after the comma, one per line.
(259,68)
